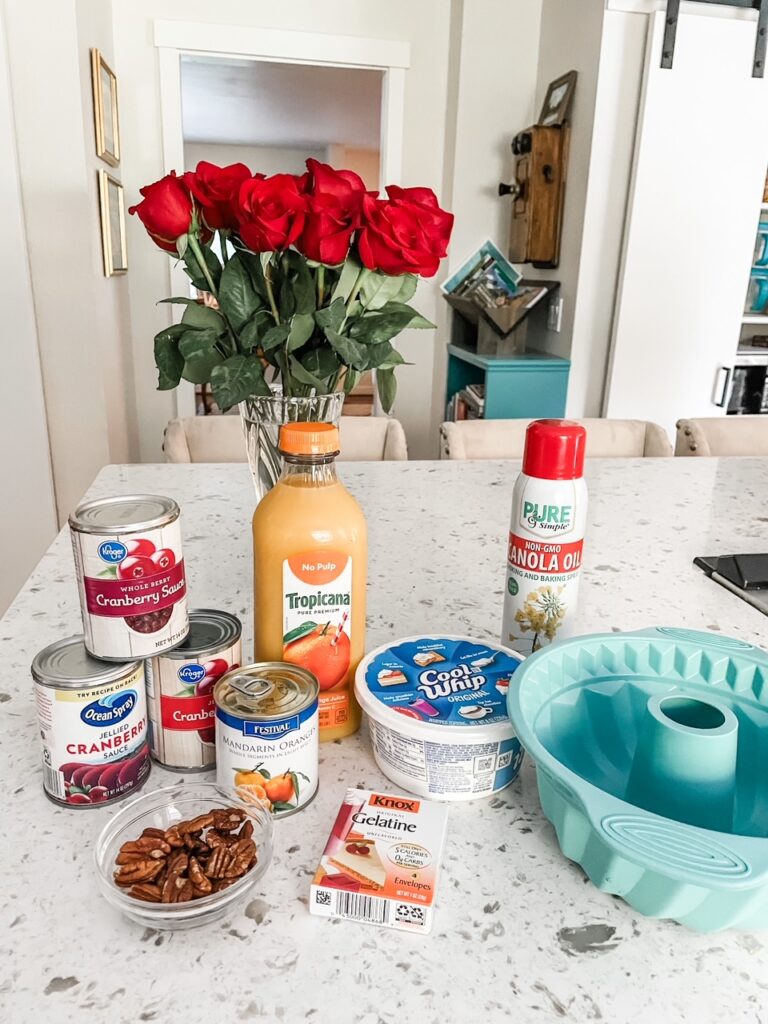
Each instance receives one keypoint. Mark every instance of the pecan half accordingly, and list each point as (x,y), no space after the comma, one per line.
(247,830)
(243,855)
(146,891)
(196,824)
(198,878)
(150,846)
(138,871)
(218,862)
(173,836)
(227,820)
(155,833)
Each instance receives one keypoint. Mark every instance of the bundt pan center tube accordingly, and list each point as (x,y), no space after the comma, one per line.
(647,748)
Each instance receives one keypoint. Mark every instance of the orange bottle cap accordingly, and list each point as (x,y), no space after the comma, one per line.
(309,439)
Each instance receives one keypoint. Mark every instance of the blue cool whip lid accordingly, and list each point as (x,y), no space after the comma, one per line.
(452,683)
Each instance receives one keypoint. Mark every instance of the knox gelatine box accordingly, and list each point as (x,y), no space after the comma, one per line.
(381,861)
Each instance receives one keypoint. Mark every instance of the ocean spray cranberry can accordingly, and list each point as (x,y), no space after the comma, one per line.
(180,684)
(267,734)
(93,723)
(130,575)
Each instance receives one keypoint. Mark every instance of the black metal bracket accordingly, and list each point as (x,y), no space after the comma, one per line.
(673,16)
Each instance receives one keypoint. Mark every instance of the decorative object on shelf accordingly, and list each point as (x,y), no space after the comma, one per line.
(112,212)
(760,256)
(538,191)
(313,286)
(105,112)
(757,292)
(557,101)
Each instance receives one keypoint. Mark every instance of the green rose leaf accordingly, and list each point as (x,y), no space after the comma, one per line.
(370,330)
(378,288)
(255,269)
(179,300)
(302,328)
(408,287)
(387,388)
(200,354)
(235,379)
(331,316)
(304,376)
(252,333)
(383,357)
(321,363)
(417,320)
(297,293)
(168,359)
(347,278)
(351,352)
(351,380)
(274,337)
(237,295)
(195,272)
(201,316)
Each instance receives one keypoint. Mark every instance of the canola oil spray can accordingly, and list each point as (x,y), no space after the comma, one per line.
(546,537)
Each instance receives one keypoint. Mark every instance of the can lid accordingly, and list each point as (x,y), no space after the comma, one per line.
(267,690)
(554,449)
(124,514)
(67,665)
(309,439)
(209,631)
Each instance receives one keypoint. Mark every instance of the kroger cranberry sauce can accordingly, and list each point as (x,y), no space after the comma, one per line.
(130,573)
(180,685)
(267,734)
(93,723)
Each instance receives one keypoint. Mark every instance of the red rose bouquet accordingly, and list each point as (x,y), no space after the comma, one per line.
(313,285)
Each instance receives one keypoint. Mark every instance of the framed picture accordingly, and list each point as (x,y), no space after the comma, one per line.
(112,209)
(558,100)
(105,114)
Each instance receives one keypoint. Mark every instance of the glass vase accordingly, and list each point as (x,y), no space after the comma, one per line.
(262,418)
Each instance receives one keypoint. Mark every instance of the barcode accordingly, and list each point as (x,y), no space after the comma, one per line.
(362,908)
(53,781)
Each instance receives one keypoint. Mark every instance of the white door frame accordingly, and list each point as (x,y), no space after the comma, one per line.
(174,39)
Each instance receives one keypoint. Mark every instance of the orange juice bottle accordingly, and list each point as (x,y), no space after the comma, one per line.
(310,553)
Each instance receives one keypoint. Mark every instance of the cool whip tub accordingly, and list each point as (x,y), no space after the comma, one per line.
(437,712)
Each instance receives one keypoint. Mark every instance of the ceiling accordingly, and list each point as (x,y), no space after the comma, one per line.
(249,102)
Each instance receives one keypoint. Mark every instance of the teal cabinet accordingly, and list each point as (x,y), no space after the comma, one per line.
(532,385)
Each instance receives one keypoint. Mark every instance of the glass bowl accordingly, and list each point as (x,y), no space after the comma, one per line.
(162,809)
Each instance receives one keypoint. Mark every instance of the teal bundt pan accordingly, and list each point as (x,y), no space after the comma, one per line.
(651,752)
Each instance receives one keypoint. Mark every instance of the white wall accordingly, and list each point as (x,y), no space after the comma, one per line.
(267,159)
(491,86)
(110,321)
(570,40)
(28,510)
(81,324)
(425,26)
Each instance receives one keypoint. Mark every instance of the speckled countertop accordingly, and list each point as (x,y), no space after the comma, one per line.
(520,933)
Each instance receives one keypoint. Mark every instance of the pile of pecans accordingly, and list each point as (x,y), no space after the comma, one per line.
(190,860)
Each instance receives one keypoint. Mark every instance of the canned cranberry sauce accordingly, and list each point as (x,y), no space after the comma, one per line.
(93,723)
(130,576)
(182,714)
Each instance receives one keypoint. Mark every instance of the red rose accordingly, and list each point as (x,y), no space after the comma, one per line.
(215,189)
(167,211)
(405,234)
(335,209)
(271,211)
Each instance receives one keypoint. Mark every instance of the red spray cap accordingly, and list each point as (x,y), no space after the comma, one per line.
(554,449)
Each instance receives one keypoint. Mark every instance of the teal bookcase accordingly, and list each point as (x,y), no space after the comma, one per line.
(532,385)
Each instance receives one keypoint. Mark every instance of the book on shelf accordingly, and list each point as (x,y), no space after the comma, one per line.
(467,404)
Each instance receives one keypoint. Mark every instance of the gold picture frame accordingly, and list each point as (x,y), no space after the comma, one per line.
(106,118)
(112,210)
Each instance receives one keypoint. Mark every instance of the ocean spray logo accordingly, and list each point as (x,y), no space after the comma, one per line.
(109,710)
(190,674)
(112,551)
